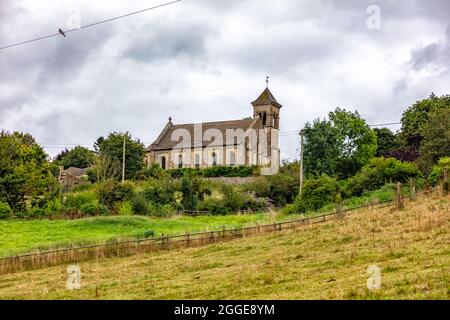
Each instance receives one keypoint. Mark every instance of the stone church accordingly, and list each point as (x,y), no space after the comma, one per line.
(253,141)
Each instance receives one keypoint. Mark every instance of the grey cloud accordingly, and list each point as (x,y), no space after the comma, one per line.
(206,60)
(436,53)
(170,42)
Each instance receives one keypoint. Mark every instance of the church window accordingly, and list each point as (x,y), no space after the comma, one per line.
(232,158)
(180,162)
(197,161)
(214,159)
(163,163)
(264,118)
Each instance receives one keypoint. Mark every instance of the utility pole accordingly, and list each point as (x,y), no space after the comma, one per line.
(301,162)
(123,157)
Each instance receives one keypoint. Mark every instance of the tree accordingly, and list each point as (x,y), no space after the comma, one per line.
(436,139)
(25,175)
(415,118)
(78,157)
(104,168)
(339,146)
(112,148)
(386,141)
(189,200)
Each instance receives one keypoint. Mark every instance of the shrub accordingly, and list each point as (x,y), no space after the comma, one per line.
(377,173)
(53,207)
(213,206)
(160,192)
(437,173)
(5,210)
(35,213)
(139,205)
(74,201)
(89,209)
(153,171)
(280,188)
(213,172)
(316,193)
(86,186)
(125,209)
(111,191)
(160,211)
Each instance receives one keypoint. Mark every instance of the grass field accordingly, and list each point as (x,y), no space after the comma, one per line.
(26,236)
(324,261)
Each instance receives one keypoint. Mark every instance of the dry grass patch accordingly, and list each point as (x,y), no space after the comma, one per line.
(324,261)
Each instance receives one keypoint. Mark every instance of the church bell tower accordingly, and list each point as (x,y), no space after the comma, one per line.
(267,108)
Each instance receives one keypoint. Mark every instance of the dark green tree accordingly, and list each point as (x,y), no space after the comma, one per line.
(189,200)
(112,148)
(25,175)
(436,139)
(78,157)
(386,141)
(415,118)
(339,146)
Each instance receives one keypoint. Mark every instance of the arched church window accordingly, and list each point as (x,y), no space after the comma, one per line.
(163,163)
(180,162)
(232,158)
(197,161)
(214,159)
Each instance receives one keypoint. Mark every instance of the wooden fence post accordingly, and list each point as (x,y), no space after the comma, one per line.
(412,189)
(445,184)
(399,197)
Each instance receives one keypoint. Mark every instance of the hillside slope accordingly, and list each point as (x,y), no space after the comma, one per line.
(327,261)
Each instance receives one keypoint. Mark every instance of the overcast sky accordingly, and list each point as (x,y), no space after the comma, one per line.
(206,60)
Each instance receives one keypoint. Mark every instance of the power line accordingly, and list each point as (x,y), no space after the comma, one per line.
(385,124)
(90,25)
(296,132)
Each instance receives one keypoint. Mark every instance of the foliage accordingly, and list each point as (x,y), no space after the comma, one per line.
(280,188)
(193,190)
(338,146)
(76,200)
(386,141)
(139,205)
(161,192)
(190,199)
(78,157)
(214,206)
(104,168)
(316,193)
(5,210)
(436,139)
(110,192)
(404,153)
(377,173)
(213,172)
(24,171)
(154,171)
(415,118)
(437,173)
(112,147)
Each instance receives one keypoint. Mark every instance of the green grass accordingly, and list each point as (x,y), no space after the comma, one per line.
(18,237)
(323,261)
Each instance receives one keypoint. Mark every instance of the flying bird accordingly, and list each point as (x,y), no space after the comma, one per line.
(62,32)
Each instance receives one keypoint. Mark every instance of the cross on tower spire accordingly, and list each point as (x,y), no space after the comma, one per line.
(267,81)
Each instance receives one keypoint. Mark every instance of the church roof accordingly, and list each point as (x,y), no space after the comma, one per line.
(266,98)
(164,140)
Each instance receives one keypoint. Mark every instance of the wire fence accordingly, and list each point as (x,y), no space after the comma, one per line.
(133,247)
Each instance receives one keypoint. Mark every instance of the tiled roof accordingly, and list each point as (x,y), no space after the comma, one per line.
(76,172)
(164,140)
(266,98)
